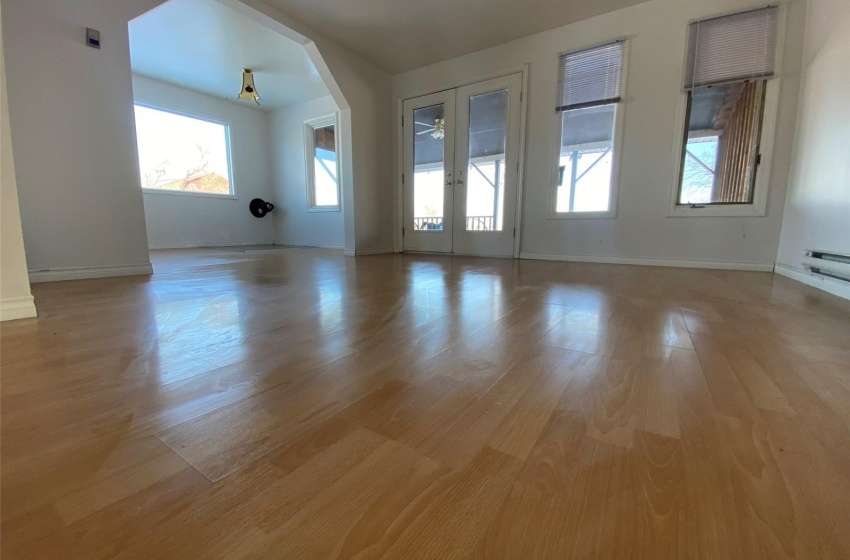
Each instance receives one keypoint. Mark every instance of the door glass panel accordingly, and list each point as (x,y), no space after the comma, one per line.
(428,168)
(485,174)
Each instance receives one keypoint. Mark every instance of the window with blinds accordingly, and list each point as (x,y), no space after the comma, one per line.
(730,59)
(590,85)
(590,77)
(732,48)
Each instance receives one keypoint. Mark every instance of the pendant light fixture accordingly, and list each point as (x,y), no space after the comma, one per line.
(249,90)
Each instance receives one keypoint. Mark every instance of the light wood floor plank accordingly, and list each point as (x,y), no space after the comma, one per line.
(296,403)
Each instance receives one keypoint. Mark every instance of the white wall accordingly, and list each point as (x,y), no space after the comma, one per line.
(817,213)
(294,225)
(71,119)
(657,33)
(178,220)
(16,301)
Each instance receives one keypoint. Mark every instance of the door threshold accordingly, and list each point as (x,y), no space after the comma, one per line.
(438,253)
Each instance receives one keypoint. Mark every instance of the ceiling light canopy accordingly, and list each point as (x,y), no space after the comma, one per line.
(249,90)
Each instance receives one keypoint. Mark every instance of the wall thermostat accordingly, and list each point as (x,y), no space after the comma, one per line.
(93,38)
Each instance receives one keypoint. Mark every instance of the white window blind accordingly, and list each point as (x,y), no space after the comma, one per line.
(590,77)
(731,48)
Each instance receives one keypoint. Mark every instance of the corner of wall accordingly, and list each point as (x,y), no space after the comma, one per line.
(818,198)
(16,301)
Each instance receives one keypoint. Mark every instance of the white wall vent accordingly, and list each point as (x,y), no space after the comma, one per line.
(829,264)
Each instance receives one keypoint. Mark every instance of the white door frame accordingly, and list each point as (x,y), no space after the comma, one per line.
(398,212)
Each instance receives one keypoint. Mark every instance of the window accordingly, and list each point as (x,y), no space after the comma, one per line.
(322,164)
(589,97)
(182,154)
(730,62)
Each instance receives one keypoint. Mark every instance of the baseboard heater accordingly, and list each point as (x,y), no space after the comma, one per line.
(829,264)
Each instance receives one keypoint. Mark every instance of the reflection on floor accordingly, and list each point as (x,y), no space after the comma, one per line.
(300,404)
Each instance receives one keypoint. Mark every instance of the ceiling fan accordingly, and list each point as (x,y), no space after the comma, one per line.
(436,130)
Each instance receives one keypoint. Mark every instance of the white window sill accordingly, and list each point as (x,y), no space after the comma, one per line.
(719,211)
(323,209)
(607,215)
(189,193)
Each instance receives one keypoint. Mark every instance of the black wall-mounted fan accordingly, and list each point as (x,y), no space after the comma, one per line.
(259,207)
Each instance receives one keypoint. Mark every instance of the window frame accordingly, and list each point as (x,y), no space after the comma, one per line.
(309,152)
(227,143)
(767,141)
(617,143)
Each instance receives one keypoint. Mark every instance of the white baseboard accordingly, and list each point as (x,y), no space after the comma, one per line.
(18,307)
(213,245)
(362,252)
(829,285)
(720,265)
(84,272)
(312,245)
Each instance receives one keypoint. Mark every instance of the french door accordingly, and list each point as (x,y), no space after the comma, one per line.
(461,154)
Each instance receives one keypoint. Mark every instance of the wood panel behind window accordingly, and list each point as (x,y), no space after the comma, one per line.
(737,148)
(323,138)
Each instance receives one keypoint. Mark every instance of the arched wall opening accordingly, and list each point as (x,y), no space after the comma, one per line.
(363,93)
(72,127)
(198,140)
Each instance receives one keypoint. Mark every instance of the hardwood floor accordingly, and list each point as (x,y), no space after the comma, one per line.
(299,404)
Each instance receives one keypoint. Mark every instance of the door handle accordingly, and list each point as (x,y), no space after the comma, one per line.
(459,181)
(448,183)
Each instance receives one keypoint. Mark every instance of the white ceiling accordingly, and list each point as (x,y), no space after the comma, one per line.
(399,35)
(203,46)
